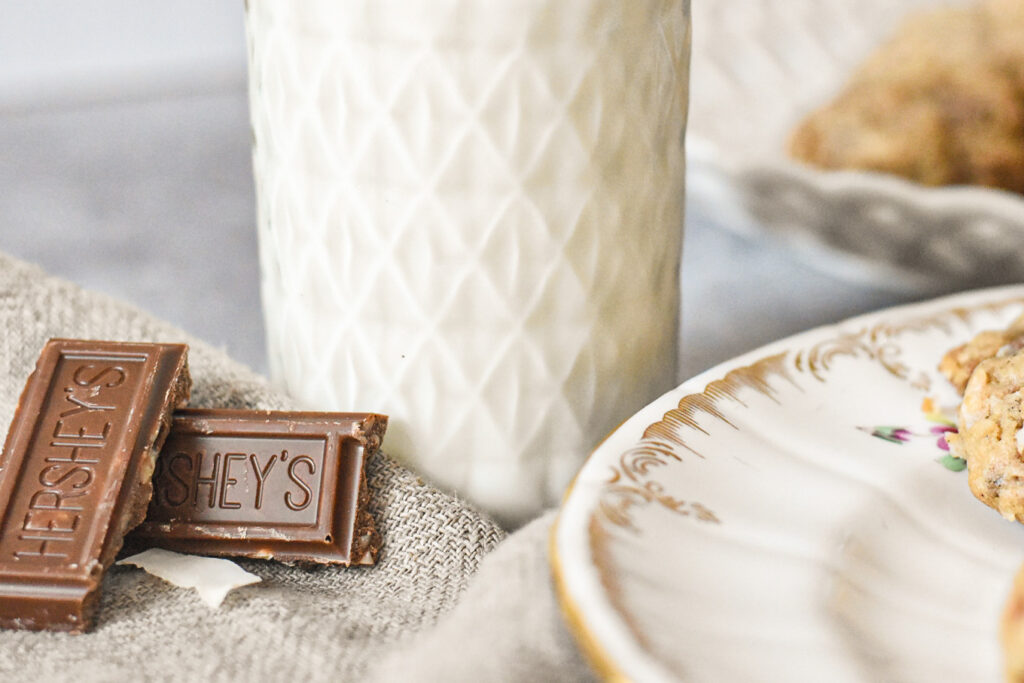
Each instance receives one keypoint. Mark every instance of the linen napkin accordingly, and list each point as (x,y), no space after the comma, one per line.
(394,621)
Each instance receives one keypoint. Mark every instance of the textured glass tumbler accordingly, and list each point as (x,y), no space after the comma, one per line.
(470,217)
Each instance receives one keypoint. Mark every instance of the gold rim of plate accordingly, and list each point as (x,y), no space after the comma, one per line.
(599,660)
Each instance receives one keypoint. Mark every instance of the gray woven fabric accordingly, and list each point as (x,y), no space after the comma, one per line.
(309,625)
(506,626)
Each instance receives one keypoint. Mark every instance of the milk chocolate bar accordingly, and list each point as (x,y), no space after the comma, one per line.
(284,485)
(75,472)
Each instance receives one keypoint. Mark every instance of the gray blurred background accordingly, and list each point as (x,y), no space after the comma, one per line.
(125,168)
(125,164)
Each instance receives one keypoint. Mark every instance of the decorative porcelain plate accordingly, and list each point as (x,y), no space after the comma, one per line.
(794,515)
(756,72)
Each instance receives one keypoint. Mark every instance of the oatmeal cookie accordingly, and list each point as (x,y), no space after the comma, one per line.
(990,438)
(958,364)
(942,102)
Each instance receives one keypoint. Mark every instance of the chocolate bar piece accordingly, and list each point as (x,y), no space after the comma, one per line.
(75,472)
(282,485)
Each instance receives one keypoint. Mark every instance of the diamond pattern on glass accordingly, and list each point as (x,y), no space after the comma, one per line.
(470,217)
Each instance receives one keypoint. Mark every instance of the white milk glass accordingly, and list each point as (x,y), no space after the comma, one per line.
(470,215)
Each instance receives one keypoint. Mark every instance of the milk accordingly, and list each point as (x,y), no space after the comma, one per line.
(470,217)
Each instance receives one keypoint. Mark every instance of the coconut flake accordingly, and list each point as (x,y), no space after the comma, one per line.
(212,577)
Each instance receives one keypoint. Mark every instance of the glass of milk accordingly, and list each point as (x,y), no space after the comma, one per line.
(470,217)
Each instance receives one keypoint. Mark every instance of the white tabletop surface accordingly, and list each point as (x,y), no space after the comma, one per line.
(152,201)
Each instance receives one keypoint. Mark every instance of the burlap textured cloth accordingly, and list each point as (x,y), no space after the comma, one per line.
(409,618)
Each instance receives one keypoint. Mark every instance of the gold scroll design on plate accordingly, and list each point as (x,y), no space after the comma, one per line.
(634,481)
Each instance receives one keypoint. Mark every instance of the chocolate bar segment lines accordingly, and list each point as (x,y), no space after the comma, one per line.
(75,472)
(284,485)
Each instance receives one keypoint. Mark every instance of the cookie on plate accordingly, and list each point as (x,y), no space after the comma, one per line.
(958,364)
(940,103)
(990,438)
